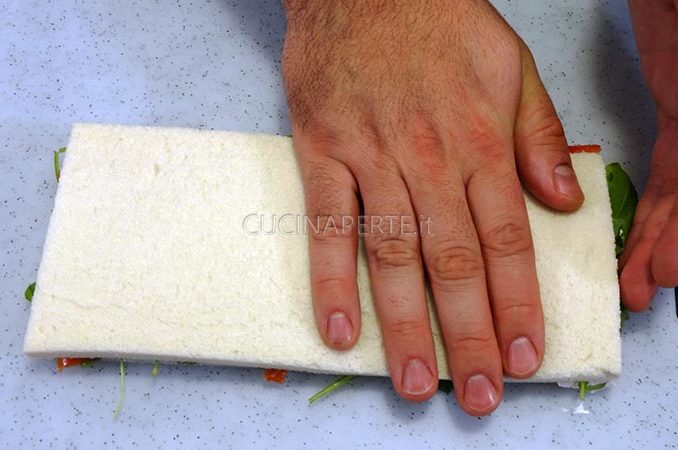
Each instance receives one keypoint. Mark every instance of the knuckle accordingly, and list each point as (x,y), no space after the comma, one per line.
(474,344)
(425,138)
(369,132)
(524,311)
(431,162)
(321,181)
(508,238)
(393,252)
(378,164)
(407,328)
(330,283)
(543,128)
(323,136)
(551,127)
(328,228)
(326,198)
(487,143)
(455,262)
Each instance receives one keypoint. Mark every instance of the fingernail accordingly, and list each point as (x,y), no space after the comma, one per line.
(339,328)
(522,358)
(417,378)
(566,181)
(479,393)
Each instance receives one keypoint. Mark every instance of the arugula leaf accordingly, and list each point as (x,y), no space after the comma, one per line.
(30,290)
(624,199)
(155,369)
(57,162)
(333,386)
(585,388)
(624,316)
(582,389)
(121,395)
(89,362)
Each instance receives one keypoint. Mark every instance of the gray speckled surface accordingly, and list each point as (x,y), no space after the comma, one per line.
(216,65)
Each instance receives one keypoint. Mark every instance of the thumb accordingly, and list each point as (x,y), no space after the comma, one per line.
(542,155)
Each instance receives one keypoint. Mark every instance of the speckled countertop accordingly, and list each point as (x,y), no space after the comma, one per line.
(216,64)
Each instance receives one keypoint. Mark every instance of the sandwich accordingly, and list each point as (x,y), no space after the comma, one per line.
(167,245)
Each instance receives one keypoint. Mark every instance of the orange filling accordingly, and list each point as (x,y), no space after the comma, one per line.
(585,149)
(62,363)
(275,375)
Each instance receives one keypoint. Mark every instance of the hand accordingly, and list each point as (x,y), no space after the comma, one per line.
(649,259)
(426,112)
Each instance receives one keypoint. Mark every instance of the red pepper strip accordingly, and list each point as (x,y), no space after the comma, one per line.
(585,149)
(62,363)
(275,375)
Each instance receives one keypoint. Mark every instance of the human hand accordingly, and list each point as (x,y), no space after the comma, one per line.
(426,111)
(649,259)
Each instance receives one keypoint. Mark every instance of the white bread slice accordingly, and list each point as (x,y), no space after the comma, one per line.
(146,258)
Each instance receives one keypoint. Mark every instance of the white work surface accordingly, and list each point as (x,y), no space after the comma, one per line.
(216,65)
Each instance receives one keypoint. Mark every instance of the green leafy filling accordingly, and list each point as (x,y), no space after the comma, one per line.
(29,292)
(57,162)
(624,200)
(89,362)
(121,393)
(585,387)
(155,369)
(333,386)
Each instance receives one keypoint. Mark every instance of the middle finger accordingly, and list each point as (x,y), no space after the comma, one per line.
(454,262)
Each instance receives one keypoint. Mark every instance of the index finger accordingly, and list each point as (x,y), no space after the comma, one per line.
(332,207)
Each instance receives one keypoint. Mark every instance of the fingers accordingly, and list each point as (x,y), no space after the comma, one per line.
(332,208)
(645,207)
(647,258)
(499,213)
(542,155)
(637,281)
(397,278)
(664,260)
(454,262)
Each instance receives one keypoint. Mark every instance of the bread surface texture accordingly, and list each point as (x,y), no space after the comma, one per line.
(160,247)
